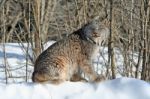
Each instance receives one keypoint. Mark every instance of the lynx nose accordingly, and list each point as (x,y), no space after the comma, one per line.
(95,34)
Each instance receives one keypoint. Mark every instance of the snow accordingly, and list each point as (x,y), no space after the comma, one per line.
(120,88)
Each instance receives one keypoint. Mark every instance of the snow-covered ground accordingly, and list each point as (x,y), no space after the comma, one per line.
(120,88)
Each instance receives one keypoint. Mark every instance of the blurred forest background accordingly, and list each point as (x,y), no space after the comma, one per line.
(37,21)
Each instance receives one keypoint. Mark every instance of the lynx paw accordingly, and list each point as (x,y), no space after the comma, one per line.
(100,78)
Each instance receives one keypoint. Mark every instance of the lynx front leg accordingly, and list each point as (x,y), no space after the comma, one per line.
(77,77)
(89,71)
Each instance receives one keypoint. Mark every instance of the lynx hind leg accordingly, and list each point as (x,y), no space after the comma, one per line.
(77,77)
(45,78)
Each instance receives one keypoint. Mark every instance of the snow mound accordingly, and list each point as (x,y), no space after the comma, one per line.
(121,88)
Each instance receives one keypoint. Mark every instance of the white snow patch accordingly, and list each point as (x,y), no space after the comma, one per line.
(121,88)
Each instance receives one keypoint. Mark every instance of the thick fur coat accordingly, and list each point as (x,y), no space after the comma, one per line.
(64,59)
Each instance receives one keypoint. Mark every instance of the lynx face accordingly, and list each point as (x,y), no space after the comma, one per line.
(96,33)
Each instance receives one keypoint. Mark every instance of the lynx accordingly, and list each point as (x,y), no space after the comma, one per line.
(63,60)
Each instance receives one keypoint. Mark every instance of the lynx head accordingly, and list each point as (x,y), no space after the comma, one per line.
(95,33)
